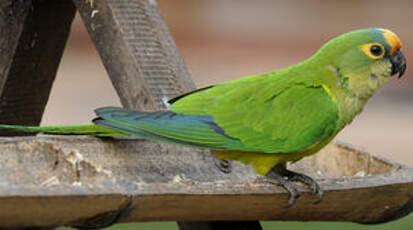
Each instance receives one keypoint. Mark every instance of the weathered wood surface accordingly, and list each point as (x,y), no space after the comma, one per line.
(137,50)
(53,181)
(140,57)
(32,39)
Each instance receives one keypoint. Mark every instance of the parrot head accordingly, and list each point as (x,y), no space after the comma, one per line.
(363,59)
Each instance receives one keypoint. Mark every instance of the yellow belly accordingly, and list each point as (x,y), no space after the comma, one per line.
(264,162)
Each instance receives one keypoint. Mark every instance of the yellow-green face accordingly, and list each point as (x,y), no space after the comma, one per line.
(365,59)
(386,50)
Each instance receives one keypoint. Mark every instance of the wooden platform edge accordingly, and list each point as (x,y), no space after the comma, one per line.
(55,181)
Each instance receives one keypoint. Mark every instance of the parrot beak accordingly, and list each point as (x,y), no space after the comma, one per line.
(398,62)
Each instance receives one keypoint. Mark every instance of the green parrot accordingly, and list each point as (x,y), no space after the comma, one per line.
(266,120)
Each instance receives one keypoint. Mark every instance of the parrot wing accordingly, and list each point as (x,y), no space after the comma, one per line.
(294,120)
(165,126)
(266,116)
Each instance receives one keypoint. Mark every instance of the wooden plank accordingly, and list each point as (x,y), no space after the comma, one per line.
(139,54)
(137,51)
(32,39)
(54,181)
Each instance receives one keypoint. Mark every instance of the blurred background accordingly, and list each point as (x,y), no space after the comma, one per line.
(223,40)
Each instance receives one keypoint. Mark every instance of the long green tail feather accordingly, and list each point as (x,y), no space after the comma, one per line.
(91,130)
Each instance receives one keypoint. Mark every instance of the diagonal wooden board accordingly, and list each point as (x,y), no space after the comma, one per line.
(140,57)
(31,46)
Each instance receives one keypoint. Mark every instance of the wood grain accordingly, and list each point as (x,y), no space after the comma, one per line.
(32,39)
(137,50)
(82,177)
(54,181)
(141,58)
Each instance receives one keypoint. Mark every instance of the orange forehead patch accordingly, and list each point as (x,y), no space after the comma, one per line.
(393,40)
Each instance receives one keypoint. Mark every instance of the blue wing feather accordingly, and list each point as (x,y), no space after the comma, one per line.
(166,126)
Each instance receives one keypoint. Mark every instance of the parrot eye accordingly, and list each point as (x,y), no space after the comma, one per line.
(376,50)
(373,50)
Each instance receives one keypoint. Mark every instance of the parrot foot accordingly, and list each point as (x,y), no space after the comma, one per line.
(223,165)
(276,178)
(310,182)
(285,178)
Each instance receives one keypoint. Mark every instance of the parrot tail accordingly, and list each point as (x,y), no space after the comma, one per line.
(91,130)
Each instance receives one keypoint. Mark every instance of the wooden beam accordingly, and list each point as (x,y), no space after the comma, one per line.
(55,181)
(140,56)
(137,50)
(33,35)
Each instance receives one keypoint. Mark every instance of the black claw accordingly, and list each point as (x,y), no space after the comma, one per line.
(223,165)
(315,188)
(294,195)
(285,178)
(276,178)
(320,194)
